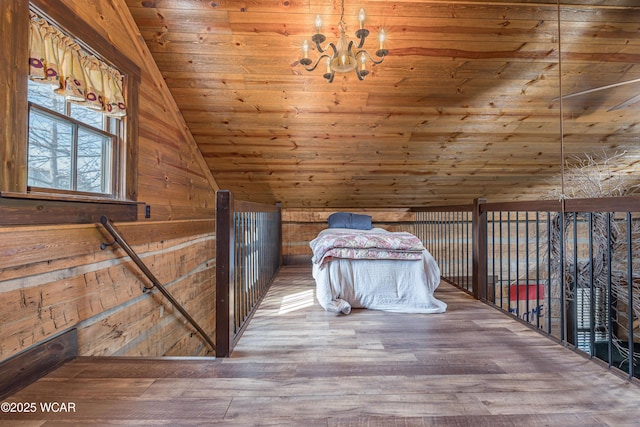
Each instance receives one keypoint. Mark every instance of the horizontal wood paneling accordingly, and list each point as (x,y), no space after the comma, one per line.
(152,327)
(104,289)
(467,92)
(54,277)
(170,169)
(20,246)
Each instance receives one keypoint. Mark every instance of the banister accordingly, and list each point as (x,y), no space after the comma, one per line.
(142,266)
(567,268)
(248,255)
(601,204)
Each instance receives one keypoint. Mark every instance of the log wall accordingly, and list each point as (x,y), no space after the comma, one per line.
(55,278)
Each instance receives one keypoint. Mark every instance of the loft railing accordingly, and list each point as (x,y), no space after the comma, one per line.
(447,233)
(570,269)
(156,283)
(248,256)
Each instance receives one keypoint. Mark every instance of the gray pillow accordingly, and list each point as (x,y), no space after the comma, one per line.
(350,220)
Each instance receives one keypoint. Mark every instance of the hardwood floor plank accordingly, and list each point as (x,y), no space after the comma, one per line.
(299,365)
(391,405)
(348,386)
(532,420)
(98,411)
(97,388)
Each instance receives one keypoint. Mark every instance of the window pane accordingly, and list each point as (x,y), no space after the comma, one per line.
(43,94)
(114,126)
(50,152)
(87,116)
(94,162)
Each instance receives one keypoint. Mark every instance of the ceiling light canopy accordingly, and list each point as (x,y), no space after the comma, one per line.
(345,56)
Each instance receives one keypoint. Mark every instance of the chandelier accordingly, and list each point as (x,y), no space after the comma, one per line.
(345,56)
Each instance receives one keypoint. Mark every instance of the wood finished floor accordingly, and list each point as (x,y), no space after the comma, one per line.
(297,365)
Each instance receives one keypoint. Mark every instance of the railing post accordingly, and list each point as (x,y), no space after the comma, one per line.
(279,219)
(479,250)
(225,272)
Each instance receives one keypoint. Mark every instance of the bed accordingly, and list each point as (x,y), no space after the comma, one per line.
(375,269)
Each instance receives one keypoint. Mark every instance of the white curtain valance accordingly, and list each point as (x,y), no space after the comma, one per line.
(56,59)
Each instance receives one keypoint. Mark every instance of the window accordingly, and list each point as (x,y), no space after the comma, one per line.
(76,111)
(71,147)
(68,159)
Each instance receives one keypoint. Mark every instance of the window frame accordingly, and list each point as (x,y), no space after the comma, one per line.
(110,167)
(18,203)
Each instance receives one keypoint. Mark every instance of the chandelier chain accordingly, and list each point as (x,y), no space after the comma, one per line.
(342,25)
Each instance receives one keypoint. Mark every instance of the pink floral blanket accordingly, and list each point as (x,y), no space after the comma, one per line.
(370,244)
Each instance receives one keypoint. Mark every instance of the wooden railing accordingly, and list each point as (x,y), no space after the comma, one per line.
(570,269)
(248,256)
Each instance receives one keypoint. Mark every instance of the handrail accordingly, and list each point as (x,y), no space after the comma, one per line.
(601,204)
(142,266)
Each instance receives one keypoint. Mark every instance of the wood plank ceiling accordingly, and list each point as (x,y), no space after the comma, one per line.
(461,108)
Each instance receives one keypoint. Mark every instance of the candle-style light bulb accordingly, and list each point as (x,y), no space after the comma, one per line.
(363,62)
(382,36)
(305,49)
(318,24)
(361,17)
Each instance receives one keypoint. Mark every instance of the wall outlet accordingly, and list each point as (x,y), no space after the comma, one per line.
(147,211)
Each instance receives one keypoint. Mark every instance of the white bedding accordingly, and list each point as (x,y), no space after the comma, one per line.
(404,286)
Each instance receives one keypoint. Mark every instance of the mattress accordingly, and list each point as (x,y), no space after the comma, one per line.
(396,283)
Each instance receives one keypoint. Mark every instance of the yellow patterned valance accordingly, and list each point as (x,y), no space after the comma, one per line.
(56,59)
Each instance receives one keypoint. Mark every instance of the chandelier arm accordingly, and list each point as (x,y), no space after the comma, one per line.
(317,62)
(361,34)
(330,74)
(364,52)
(318,39)
(335,50)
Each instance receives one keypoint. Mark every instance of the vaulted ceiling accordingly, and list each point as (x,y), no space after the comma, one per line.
(464,106)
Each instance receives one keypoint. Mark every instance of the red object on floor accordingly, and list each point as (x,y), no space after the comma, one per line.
(531,291)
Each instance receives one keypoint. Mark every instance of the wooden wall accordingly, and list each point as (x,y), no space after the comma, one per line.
(54,278)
